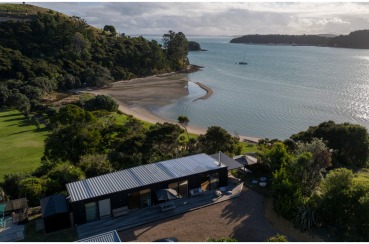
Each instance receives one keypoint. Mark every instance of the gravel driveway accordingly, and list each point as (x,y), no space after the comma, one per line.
(241,218)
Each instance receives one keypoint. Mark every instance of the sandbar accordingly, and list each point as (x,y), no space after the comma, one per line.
(136,96)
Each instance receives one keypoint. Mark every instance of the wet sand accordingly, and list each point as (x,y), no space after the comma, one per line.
(136,96)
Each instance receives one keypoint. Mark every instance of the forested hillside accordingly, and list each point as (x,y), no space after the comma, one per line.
(356,39)
(51,51)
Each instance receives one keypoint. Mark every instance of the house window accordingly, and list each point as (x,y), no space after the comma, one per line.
(183,188)
(205,182)
(91,211)
(139,199)
(214,181)
(210,181)
(145,198)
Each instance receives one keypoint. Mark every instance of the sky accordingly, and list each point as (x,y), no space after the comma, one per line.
(221,18)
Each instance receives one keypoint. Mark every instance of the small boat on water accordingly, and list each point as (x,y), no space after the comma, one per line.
(243,62)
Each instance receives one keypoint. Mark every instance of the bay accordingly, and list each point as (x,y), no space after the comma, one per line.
(281,91)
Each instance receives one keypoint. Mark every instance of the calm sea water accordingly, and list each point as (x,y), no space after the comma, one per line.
(282,90)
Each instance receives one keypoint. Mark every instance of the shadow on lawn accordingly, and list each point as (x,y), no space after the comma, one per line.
(11,120)
(20,132)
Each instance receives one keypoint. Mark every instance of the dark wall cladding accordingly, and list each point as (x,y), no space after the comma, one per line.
(120,199)
(198,170)
(141,176)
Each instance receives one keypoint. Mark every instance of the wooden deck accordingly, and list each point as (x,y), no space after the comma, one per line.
(154,213)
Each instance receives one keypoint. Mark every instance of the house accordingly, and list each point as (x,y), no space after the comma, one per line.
(135,188)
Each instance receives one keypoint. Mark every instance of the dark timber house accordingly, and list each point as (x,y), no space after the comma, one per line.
(95,198)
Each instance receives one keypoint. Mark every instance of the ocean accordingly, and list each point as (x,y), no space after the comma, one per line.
(281,91)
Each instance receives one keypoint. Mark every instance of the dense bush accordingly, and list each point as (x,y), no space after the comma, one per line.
(101,102)
(349,142)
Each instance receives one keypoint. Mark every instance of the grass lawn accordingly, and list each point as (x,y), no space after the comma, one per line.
(248,148)
(21,144)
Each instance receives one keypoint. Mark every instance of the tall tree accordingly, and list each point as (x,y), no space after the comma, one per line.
(349,142)
(217,139)
(111,29)
(183,121)
(176,49)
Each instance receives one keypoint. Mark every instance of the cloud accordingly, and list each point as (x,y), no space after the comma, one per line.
(222,18)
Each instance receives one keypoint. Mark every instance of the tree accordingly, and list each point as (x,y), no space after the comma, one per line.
(33,189)
(73,115)
(312,159)
(217,139)
(183,121)
(45,84)
(95,164)
(101,102)
(10,184)
(4,94)
(345,205)
(64,173)
(72,142)
(176,49)
(19,101)
(111,29)
(161,142)
(274,156)
(129,153)
(349,142)
(102,76)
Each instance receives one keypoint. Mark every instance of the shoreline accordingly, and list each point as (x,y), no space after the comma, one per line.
(142,100)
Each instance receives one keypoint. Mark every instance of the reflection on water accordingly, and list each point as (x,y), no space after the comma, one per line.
(282,90)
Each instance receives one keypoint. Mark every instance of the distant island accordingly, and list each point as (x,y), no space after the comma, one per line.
(357,39)
(194,46)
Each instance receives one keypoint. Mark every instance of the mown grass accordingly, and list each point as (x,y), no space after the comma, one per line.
(21,143)
(248,148)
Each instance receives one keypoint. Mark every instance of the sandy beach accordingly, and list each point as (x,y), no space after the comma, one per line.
(136,96)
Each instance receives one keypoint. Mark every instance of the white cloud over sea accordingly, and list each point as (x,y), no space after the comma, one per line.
(222,18)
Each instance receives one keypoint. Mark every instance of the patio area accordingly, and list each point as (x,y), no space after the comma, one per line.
(155,213)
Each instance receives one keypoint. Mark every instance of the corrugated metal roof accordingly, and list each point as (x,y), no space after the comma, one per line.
(141,176)
(224,159)
(111,236)
(53,205)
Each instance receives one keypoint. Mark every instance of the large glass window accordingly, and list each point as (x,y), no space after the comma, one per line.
(214,181)
(139,199)
(91,211)
(134,200)
(183,188)
(145,198)
(205,182)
